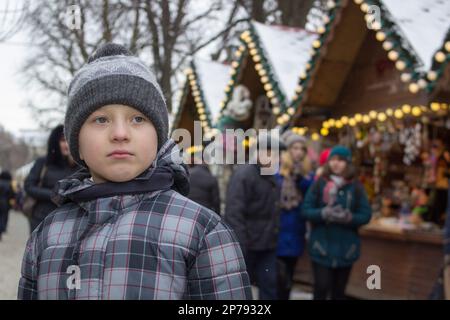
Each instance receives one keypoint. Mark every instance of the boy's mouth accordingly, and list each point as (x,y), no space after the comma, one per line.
(120,154)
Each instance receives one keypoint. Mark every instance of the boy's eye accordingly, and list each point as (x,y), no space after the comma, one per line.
(138,119)
(100,120)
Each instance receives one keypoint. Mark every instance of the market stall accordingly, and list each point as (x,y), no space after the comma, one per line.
(371,86)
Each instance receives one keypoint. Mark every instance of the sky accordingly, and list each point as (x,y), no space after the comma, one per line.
(14,117)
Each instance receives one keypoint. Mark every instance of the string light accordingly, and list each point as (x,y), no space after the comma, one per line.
(358,117)
(400,65)
(373,114)
(447,46)
(440,56)
(416,111)
(366,119)
(389,112)
(324,132)
(380,36)
(393,55)
(432,75)
(435,106)
(381,117)
(291,111)
(413,87)
(405,77)
(387,45)
(315,136)
(276,110)
(344,120)
(352,122)
(406,108)
(398,114)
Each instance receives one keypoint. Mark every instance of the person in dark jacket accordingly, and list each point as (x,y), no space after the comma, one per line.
(6,195)
(204,187)
(252,211)
(294,178)
(56,165)
(336,205)
(124,228)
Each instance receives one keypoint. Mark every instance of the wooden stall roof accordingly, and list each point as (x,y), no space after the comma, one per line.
(408,43)
(201,94)
(269,61)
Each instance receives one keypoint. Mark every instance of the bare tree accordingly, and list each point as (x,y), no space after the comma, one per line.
(14,153)
(12,15)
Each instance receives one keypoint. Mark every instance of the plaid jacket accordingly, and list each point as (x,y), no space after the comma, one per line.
(148,243)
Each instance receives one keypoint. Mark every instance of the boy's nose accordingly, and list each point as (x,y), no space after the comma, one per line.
(120,131)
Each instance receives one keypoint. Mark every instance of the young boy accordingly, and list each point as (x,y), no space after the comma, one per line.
(122,230)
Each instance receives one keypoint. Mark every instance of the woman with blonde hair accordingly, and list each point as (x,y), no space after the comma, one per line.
(294,178)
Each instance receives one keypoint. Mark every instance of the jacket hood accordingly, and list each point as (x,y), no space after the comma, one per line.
(166,172)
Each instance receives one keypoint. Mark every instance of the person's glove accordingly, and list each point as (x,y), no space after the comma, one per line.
(326,213)
(336,214)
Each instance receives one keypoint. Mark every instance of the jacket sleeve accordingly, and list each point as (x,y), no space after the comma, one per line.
(31,184)
(215,196)
(219,270)
(235,207)
(363,211)
(28,280)
(310,211)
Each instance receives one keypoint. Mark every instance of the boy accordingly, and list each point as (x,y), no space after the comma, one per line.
(122,230)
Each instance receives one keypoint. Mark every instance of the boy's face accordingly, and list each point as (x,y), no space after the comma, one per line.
(117,143)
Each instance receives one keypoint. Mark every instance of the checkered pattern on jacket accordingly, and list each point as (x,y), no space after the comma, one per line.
(157,245)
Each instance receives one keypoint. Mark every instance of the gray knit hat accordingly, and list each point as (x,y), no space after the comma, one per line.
(289,137)
(113,75)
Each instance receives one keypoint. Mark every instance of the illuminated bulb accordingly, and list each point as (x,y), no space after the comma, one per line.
(321,30)
(201,110)
(235,64)
(315,136)
(366,118)
(291,111)
(299,89)
(381,117)
(258,66)
(390,112)
(358,117)
(358,2)
(422,83)
(331,4)
(270,94)
(444,106)
(440,56)
(324,132)
(253,52)
(303,75)
(316,44)
(398,114)
(393,55)
(352,122)
(326,19)
(416,111)
(274,101)
(380,36)
(251,45)
(262,72)
(373,114)
(339,124)
(364,7)
(432,75)
(264,79)
(447,46)
(400,65)
(435,106)
(256,58)
(344,120)
(276,111)
(406,108)
(405,77)
(413,87)
(268,87)
(325,124)
(387,45)
(376,25)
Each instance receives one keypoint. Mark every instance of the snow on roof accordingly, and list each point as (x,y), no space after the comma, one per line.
(288,50)
(213,77)
(424,23)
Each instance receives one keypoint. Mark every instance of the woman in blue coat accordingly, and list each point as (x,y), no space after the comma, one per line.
(294,179)
(336,205)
